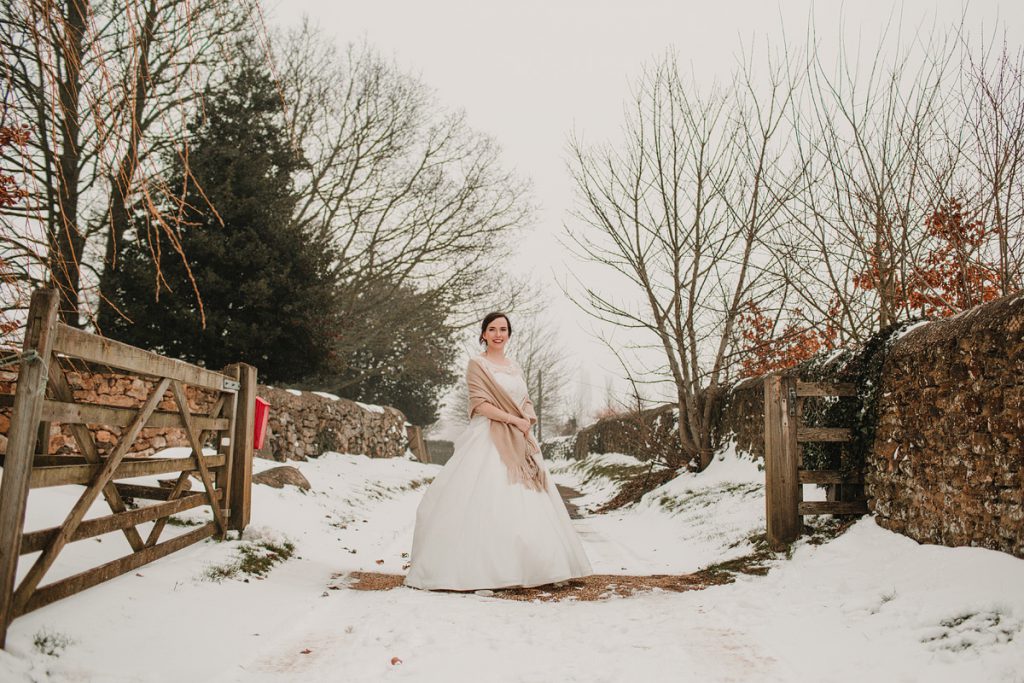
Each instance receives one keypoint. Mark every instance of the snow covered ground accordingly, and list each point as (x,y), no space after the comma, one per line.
(869,605)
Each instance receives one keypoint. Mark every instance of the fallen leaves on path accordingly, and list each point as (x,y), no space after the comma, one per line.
(596,587)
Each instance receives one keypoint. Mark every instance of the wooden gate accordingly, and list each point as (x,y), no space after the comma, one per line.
(44,395)
(784,433)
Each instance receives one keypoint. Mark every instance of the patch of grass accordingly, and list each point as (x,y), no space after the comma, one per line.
(706,497)
(253,559)
(51,644)
(755,563)
(972,630)
(377,491)
(827,528)
(180,521)
(635,488)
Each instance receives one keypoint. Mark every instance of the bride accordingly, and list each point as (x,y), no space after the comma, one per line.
(492,517)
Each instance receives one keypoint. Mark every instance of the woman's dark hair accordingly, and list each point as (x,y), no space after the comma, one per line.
(490,318)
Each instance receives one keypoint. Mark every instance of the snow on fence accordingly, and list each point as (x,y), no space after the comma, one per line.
(43,395)
(784,432)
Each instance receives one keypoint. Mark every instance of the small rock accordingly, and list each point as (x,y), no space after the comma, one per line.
(277,477)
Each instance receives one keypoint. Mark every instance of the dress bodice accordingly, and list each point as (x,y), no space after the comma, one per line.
(509,377)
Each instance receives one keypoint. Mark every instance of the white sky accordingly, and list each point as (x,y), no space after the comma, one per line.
(528,72)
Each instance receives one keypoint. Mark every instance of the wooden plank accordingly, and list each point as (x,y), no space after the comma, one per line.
(41,460)
(825,388)
(89,347)
(830,434)
(240,465)
(222,475)
(834,507)
(183,479)
(90,413)
(150,492)
(101,478)
(175,492)
(63,475)
(21,444)
(781,490)
(197,455)
(43,439)
(83,437)
(35,541)
(829,477)
(91,577)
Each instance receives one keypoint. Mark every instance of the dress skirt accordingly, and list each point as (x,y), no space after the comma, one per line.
(475,530)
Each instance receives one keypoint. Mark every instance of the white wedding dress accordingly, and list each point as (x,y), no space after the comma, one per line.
(475,530)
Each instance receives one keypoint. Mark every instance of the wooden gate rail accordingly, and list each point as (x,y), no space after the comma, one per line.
(784,478)
(43,395)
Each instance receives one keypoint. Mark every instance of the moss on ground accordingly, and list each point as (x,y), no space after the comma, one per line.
(254,559)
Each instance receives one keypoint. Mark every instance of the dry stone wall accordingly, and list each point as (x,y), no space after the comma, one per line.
(650,435)
(742,417)
(947,465)
(301,424)
(307,424)
(117,390)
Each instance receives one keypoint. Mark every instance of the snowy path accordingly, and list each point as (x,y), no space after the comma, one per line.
(869,605)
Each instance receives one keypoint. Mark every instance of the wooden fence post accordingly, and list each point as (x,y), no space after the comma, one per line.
(417,444)
(240,467)
(781,460)
(21,444)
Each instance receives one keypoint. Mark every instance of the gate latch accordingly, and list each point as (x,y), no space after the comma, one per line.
(792,401)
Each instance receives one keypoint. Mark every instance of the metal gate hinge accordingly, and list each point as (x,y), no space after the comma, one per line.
(792,402)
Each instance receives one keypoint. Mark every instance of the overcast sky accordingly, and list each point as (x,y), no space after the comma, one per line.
(529,72)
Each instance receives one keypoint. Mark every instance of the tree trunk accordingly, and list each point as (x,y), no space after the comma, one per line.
(68,242)
(121,183)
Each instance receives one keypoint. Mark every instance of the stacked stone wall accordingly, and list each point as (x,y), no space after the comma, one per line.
(742,417)
(947,464)
(300,426)
(305,425)
(651,435)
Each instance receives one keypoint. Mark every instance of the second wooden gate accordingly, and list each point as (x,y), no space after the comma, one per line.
(784,432)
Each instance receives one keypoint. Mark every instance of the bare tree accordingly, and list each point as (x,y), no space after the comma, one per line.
(545,365)
(887,143)
(992,142)
(865,134)
(105,86)
(409,194)
(678,213)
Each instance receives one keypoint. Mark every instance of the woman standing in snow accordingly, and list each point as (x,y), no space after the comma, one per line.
(492,517)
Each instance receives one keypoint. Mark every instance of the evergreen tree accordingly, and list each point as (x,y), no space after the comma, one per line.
(408,356)
(264,284)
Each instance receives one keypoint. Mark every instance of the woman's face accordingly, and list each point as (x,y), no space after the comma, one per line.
(496,334)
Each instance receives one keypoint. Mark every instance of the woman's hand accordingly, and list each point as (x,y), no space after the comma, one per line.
(522,424)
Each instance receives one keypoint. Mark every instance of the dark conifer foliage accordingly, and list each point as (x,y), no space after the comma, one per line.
(407,358)
(264,285)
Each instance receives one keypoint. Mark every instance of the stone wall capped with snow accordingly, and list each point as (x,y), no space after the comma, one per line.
(304,425)
(742,417)
(301,425)
(947,464)
(647,436)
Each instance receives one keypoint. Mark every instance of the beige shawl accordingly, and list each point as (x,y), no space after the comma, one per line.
(516,449)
